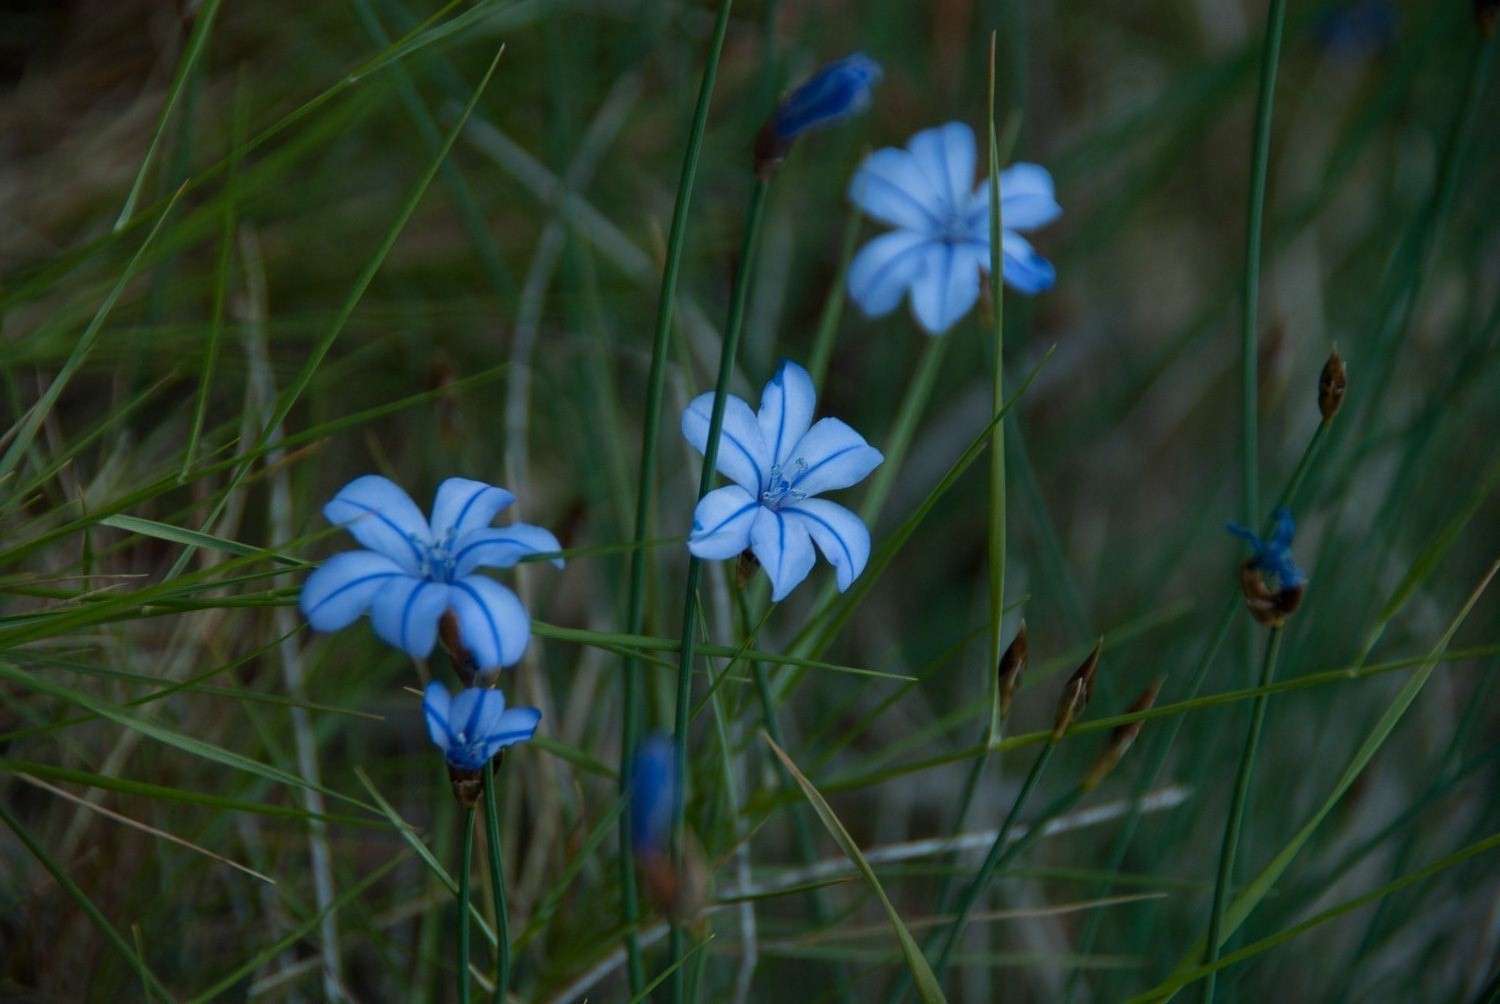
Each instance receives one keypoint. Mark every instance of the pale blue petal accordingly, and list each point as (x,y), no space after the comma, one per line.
(1027,197)
(382,517)
(945,155)
(463,504)
(743,457)
(839,534)
(721,523)
(491,621)
(436,704)
(832,455)
(405,614)
(1025,270)
(501,547)
(948,287)
(344,586)
(515,725)
(1027,201)
(891,187)
(783,548)
(786,410)
(883,270)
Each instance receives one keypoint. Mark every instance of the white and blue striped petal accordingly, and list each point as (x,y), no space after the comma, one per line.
(436,705)
(383,518)
(884,269)
(343,587)
(946,155)
(462,505)
(948,285)
(832,456)
(514,725)
(839,534)
(743,457)
(786,410)
(405,614)
(891,187)
(502,547)
(492,623)
(721,523)
(783,548)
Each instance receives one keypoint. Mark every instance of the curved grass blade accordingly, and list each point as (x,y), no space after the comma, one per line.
(926,983)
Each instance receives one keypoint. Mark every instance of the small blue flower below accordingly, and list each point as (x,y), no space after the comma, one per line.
(779,460)
(473,726)
(414,570)
(941,244)
(834,93)
(1273,555)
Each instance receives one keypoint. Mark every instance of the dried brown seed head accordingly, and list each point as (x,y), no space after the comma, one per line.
(1077,691)
(1012,664)
(1123,736)
(1331,385)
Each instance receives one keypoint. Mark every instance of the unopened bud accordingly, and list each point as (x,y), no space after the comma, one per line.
(1121,738)
(832,94)
(1012,663)
(1077,691)
(1331,384)
(1268,606)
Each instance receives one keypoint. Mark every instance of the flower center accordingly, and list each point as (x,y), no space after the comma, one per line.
(438,559)
(779,491)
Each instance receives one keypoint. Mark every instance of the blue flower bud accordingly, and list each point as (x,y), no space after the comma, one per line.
(834,93)
(653,793)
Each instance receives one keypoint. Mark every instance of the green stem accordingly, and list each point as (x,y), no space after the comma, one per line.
(497,885)
(463,906)
(635,615)
(997,434)
(1249,344)
(1237,811)
(727,353)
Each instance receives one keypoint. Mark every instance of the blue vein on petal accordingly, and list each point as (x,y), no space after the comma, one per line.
(730,518)
(760,479)
(473,594)
(947,174)
(415,550)
(848,555)
(458,522)
(826,460)
(781,421)
(459,557)
(357,582)
(924,242)
(411,599)
(442,721)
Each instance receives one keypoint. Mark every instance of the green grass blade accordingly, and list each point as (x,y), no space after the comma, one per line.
(926,982)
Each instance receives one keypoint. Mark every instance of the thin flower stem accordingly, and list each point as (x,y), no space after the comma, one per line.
(497,885)
(727,353)
(997,434)
(635,615)
(1237,812)
(463,906)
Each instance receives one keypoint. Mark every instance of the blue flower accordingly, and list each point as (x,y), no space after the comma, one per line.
(779,459)
(473,726)
(653,795)
(1273,555)
(416,570)
(834,93)
(941,243)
